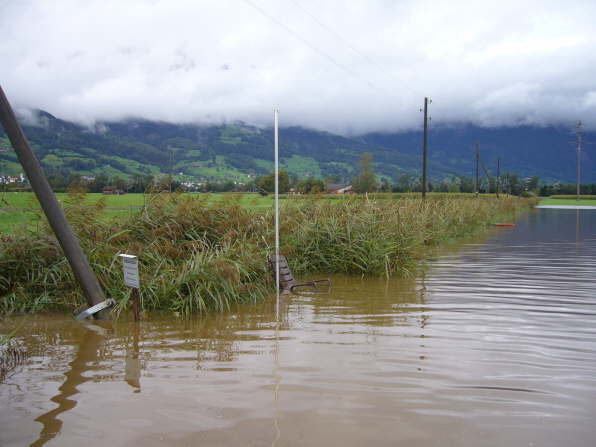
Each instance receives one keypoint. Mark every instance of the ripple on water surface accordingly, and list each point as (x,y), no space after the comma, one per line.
(493,344)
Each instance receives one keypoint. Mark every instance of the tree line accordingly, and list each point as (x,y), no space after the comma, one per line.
(366,180)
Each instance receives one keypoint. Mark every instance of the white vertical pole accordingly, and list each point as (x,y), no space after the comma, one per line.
(276,138)
(276,375)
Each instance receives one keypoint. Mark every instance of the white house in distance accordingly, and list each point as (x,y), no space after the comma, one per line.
(339,188)
(8,179)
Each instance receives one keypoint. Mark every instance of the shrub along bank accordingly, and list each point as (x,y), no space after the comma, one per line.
(197,255)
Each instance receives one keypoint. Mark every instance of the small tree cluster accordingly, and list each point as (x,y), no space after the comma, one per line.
(365,181)
(266,183)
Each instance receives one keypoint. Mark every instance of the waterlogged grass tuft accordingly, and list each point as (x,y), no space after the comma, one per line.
(198,255)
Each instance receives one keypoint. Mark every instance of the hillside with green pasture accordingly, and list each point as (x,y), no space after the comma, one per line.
(236,152)
(239,152)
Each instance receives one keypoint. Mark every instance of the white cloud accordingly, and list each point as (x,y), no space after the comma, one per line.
(347,66)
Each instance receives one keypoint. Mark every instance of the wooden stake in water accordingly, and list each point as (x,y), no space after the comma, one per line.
(276,144)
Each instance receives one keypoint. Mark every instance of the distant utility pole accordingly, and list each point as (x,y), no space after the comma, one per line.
(477,163)
(498,175)
(579,142)
(579,134)
(171,166)
(425,145)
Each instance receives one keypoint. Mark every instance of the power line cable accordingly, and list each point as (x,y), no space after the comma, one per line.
(345,41)
(312,46)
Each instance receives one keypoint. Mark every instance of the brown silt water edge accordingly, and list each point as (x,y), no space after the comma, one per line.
(492,344)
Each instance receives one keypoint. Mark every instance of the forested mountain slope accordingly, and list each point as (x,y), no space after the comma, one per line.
(239,151)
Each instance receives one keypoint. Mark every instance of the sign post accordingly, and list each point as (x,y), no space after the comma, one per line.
(130,269)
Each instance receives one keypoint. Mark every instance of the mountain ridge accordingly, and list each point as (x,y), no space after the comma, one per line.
(239,151)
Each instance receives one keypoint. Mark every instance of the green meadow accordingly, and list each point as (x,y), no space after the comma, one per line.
(569,201)
(21,209)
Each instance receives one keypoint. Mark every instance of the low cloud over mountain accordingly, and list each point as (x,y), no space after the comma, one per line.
(346,66)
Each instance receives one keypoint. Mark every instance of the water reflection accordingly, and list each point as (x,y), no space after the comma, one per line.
(577,227)
(132,368)
(87,354)
(371,301)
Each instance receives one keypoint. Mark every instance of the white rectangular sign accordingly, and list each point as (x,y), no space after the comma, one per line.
(130,268)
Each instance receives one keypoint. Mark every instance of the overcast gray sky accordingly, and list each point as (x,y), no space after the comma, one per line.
(341,65)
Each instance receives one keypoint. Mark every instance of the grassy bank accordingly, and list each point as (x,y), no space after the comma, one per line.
(197,254)
(573,197)
(569,200)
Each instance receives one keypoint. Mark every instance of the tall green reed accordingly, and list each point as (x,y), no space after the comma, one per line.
(197,255)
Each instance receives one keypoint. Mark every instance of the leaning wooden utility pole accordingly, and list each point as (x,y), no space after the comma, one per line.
(477,163)
(424,147)
(52,209)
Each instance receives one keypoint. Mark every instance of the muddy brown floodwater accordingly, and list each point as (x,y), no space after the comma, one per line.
(494,344)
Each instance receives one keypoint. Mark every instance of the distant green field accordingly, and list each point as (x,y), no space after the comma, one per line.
(28,200)
(583,202)
(21,208)
(574,196)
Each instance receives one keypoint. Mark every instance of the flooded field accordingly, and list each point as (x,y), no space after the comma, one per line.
(494,344)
